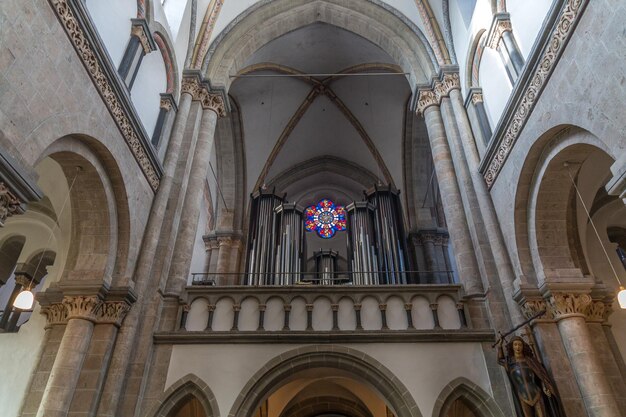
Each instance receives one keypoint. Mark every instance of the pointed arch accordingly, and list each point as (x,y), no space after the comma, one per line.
(476,399)
(341,358)
(188,386)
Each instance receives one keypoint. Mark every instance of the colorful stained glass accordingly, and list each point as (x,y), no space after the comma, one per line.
(325,218)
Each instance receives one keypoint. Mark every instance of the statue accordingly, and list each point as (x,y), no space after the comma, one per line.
(534,391)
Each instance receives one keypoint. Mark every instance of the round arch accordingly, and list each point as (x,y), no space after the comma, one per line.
(352,361)
(544,185)
(403,41)
(474,397)
(187,386)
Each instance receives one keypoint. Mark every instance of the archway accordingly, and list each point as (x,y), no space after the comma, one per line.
(340,365)
(188,397)
(462,398)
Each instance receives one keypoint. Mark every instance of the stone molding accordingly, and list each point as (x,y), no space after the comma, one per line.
(9,204)
(91,308)
(439,90)
(140,30)
(530,90)
(198,91)
(501,23)
(115,102)
(437,237)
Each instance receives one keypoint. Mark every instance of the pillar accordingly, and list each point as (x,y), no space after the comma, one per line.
(81,313)
(500,38)
(167,108)
(223,260)
(144,278)
(570,311)
(451,196)
(140,44)
(483,130)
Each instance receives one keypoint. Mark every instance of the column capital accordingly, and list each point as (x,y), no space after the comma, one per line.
(113,312)
(501,23)
(449,81)
(167,102)
(477,97)
(199,91)
(141,31)
(82,307)
(426,98)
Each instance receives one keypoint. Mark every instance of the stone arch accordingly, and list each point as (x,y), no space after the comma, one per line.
(164,43)
(472,66)
(10,251)
(100,237)
(352,361)
(188,386)
(381,25)
(544,184)
(474,397)
(312,407)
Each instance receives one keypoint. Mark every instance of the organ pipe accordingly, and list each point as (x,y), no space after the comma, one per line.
(291,247)
(389,234)
(361,244)
(326,266)
(263,236)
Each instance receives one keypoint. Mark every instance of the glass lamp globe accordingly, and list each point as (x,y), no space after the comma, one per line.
(24,300)
(621,297)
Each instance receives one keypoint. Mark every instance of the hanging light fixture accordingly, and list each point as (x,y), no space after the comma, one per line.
(26,298)
(621,294)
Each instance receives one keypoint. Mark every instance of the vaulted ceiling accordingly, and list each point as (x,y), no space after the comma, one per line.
(345,130)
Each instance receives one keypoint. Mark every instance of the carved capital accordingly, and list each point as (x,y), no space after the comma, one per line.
(23,280)
(140,32)
(113,312)
(165,104)
(599,311)
(449,82)
(497,30)
(426,99)
(9,204)
(224,241)
(55,314)
(532,307)
(82,307)
(477,98)
(563,305)
(198,92)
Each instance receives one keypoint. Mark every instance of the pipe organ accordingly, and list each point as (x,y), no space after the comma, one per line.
(375,246)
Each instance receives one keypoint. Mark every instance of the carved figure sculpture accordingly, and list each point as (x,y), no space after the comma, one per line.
(534,391)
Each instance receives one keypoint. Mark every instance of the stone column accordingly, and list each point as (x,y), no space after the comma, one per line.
(213,107)
(167,107)
(570,311)
(476,98)
(223,260)
(451,196)
(143,275)
(81,313)
(140,44)
(500,38)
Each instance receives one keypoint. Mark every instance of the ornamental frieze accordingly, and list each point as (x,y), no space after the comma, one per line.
(90,60)
(570,14)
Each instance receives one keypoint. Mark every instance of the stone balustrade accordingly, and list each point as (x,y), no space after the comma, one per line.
(303,313)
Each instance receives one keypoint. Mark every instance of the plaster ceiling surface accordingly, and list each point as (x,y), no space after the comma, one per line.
(267,104)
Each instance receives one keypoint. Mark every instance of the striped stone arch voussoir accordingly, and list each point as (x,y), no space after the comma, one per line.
(362,366)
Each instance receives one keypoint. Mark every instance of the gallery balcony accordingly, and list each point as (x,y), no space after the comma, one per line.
(324,309)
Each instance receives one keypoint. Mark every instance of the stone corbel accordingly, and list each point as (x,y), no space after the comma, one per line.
(501,23)
(141,30)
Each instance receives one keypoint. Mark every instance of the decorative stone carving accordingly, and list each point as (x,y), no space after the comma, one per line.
(599,311)
(9,204)
(23,279)
(206,30)
(532,307)
(426,99)
(570,13)
(113,312)
(85,51)
(199,92)
(140,33)
(82,307)
(165,104)
(563,305)
(55,314)
(477,98)
(500,26)
(449,82)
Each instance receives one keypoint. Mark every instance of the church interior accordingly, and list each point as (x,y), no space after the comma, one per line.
(312,208)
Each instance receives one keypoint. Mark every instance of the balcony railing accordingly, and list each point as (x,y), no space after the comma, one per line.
(309,313)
